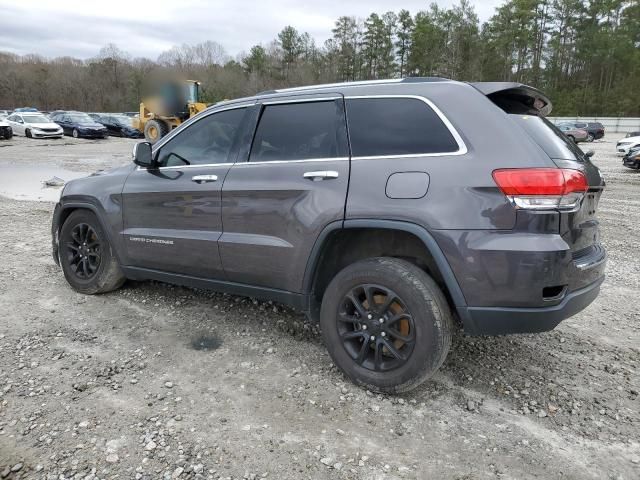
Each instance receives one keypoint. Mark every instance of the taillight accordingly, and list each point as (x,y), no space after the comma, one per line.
(542,188)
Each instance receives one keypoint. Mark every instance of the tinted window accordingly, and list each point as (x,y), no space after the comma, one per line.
(299,131)
(549,137)
(208,140)
(396,126)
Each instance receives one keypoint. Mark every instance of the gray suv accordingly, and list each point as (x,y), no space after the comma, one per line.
(386,210)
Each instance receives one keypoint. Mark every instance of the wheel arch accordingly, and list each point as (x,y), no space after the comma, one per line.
(332,234)
(62,212)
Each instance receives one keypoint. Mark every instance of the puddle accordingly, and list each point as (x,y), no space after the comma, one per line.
(206,342)
(27,182)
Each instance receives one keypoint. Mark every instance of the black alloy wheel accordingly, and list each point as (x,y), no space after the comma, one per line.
(83,251)
(376,328)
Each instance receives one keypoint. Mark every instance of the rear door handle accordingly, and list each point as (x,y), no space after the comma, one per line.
(321,175)
(204,178)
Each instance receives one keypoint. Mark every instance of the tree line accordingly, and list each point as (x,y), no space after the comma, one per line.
(585,54)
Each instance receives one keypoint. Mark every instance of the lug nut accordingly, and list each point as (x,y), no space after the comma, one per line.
(382,334)
(381,320)
(369,316)
(373,337)
(364,327)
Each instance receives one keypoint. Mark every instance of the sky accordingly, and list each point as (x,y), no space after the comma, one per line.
(145,28)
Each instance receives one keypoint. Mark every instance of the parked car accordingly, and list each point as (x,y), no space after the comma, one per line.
(117,124)
(6,131)
(595,130)
(633,134)
(25,109)
(79,124)
(131,114)
(33,125)
(632,159)
(380,229)
(4,113)
(54,113)
(574,134)
(626,144)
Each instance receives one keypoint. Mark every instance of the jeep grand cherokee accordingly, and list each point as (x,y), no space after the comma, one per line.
(384,209)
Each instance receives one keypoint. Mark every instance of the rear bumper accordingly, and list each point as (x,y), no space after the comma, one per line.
(503,320)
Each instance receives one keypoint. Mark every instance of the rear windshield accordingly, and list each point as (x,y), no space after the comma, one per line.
(549,137)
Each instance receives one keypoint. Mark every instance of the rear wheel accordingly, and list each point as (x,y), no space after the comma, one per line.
(154,130)
(8,134)
(75,133)
(386,324)
(86,257)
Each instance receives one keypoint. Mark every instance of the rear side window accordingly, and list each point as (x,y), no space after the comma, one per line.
(549,137)
(396,126)
(300,131)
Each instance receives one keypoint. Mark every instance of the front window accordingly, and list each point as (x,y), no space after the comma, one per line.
(207,141)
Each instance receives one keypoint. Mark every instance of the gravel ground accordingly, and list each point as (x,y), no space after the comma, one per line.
(155,381)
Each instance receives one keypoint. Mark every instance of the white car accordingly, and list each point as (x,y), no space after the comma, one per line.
(34,125)
(626,144)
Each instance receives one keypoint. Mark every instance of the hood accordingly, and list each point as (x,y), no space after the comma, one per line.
(629,139)
(89,125)
(42,125)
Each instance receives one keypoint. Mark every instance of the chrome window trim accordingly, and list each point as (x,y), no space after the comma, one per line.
(462,147)
(304,160)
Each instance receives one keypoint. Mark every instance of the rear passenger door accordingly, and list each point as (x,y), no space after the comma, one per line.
(290,184)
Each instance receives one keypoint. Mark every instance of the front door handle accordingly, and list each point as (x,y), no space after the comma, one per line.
(321,175)
(204,178)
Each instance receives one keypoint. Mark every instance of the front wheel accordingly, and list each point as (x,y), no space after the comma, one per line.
(86,257)
(590,138)
(154,130)
(27,133)
(386,324)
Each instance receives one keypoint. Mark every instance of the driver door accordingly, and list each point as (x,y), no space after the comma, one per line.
(172,212)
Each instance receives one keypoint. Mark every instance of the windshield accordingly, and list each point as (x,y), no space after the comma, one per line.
(36,119)
(81,118)
(549,137)
(124,120)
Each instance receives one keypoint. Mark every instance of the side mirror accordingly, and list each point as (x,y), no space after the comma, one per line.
(590,154)
(142,154)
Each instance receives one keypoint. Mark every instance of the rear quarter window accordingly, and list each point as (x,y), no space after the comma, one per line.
(549,137)
(396,126)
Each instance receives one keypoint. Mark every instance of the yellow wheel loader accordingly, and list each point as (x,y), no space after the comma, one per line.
(176,102)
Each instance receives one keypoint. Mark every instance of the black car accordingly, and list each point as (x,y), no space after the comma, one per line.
(78,124)
(632,134)
(595,130)
(117,124)
(632,159)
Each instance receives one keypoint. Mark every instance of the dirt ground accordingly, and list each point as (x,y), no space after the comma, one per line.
(155,381)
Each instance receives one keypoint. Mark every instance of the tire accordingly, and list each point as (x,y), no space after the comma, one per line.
(427,328)
(154,130)
(100,276)
(590,137)
(8,134)
(27,133)
(75,133)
